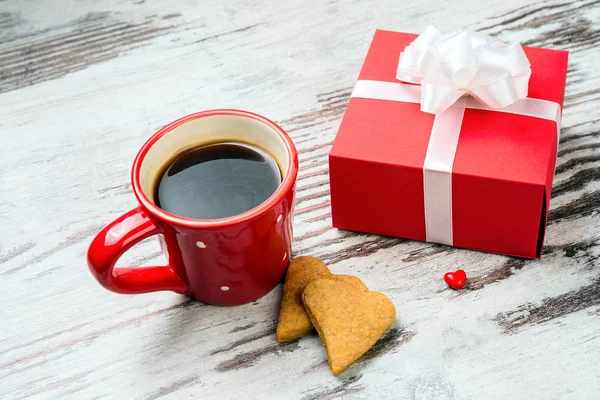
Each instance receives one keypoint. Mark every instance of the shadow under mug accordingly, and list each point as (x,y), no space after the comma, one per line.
(225,261)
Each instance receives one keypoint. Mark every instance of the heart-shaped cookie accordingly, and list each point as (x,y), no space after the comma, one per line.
(293,320)
(348,321)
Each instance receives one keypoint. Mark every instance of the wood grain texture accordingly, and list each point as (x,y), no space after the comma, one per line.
(84,83)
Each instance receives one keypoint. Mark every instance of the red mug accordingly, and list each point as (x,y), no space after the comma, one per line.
(225,261)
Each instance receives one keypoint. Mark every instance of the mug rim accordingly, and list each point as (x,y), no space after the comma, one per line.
(286,185)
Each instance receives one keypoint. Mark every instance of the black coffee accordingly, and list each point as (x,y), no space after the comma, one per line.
(217,181)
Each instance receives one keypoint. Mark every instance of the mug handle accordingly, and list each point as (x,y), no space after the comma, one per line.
(113,241)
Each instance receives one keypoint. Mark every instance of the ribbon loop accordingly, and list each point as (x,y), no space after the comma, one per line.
(451,65)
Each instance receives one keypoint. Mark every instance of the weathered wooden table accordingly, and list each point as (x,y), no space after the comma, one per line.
(84,83)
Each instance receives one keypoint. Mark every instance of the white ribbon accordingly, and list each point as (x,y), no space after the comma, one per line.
(448,66)
(449,106)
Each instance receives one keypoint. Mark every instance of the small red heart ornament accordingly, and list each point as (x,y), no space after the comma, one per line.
(457,279)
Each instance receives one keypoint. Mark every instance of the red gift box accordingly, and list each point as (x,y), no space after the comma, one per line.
(501,176)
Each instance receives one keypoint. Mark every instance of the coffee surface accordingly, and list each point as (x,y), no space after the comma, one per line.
(217,181)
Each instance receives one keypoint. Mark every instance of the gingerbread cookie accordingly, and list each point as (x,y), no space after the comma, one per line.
(293,320)
(348,321)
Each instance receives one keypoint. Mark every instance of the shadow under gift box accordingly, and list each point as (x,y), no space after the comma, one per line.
(501,177)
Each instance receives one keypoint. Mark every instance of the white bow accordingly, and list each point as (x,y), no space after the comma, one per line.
(447,66)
